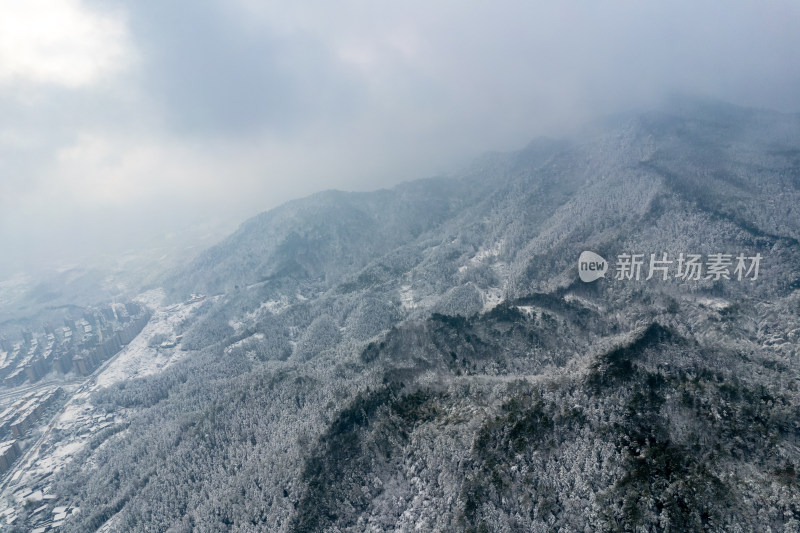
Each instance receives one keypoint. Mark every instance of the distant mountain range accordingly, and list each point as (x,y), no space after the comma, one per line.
(426,357)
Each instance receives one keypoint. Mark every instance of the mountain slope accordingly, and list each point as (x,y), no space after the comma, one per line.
(426,357)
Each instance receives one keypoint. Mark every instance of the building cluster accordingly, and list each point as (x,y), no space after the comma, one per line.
(34,505)
(80,345)
(19,417)
(9,451)
(41,510)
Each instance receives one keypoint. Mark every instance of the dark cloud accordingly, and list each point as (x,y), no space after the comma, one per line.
(211,73)
(35,125)
(234,107)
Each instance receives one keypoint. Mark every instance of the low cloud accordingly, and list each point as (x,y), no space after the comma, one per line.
(174,111)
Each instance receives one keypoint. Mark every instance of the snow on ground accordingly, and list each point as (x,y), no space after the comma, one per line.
(491,298)
(73,410)
(139,359)
(273,306)
(407,297)
(276,306)
(482,256)
(585,303)
(717,304)
(61,440)
(152,299)
(256,336)
(60,454)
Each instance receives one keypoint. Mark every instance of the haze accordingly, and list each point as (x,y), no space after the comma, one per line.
(122,121)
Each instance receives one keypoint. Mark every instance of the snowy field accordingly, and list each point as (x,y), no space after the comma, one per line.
(138,358)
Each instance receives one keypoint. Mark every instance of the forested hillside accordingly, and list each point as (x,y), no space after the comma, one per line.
(426,357)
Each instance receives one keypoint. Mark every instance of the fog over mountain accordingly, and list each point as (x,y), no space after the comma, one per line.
(355,267)
(128,120)
(426,356)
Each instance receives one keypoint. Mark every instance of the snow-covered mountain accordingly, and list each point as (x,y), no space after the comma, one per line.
(427,358)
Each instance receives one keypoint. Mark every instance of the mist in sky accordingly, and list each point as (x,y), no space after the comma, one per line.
(125,120)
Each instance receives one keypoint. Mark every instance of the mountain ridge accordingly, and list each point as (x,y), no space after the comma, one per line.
(427,357)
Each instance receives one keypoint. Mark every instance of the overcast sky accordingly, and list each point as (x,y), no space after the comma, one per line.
(120,119)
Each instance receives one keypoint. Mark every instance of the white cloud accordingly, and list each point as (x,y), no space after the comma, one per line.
(59,42)
(194,108)
(101,170)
